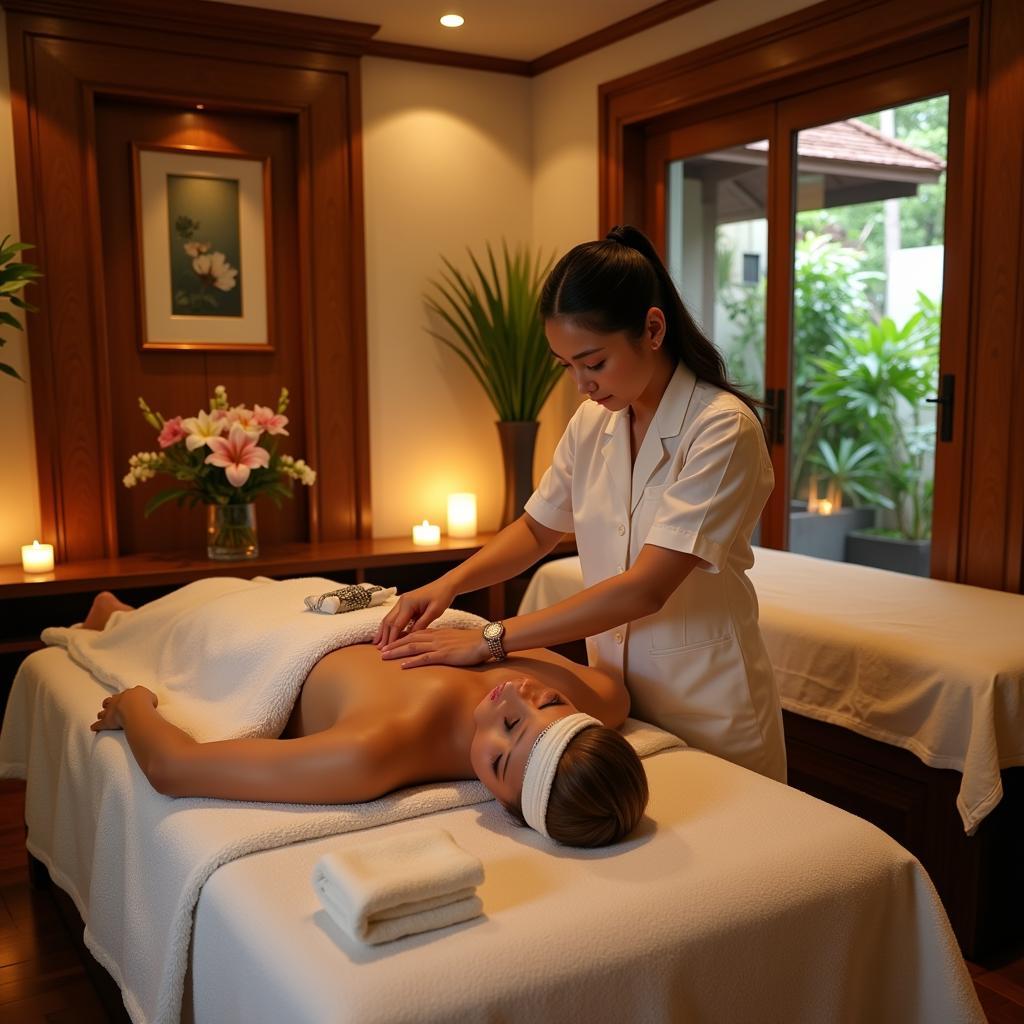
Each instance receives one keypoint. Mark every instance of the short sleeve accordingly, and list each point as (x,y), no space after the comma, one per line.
(718,493)
(551,503)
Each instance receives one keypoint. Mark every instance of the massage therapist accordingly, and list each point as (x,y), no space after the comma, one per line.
(662,475)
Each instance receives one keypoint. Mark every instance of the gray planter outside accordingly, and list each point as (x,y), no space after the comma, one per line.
(825,536)
(913,557)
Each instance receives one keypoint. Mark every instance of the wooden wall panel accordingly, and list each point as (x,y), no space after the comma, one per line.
(81,87)
(181,382)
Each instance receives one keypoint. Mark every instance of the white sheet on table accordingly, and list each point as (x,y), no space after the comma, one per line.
(936,668)
(134,861)
(740,900)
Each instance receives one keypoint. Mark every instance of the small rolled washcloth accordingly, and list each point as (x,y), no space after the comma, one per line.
(384,889)
(350,598)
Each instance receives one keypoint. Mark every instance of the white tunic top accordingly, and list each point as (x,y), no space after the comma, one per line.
(698,667)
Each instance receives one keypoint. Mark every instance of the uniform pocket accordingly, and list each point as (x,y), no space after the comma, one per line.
(695,616)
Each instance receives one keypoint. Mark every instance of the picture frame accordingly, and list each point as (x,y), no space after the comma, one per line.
(203,249)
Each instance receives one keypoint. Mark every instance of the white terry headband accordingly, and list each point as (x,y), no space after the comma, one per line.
(542,764)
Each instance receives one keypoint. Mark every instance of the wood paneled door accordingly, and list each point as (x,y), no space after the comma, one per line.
(741,205)
(733,156)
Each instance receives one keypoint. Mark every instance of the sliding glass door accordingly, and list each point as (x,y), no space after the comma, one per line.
(811,239)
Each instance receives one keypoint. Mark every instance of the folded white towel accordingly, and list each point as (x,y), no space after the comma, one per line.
(384,889)
(350,598)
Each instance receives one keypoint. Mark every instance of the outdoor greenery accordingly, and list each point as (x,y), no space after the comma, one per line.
(498,330)
(14,275)
(860,380)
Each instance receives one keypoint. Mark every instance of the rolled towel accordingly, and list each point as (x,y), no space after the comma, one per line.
(383,889)
(349,598)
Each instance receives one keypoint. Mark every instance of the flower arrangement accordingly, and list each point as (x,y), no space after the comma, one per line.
(226,455)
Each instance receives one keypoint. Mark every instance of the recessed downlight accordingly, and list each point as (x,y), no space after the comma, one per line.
(452,20)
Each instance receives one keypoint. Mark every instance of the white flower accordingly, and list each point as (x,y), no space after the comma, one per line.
(217,271)
(195,249)
(129,480)
(200,428)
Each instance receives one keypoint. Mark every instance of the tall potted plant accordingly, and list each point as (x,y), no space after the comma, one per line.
(873,386)
(14,275)
(497,332)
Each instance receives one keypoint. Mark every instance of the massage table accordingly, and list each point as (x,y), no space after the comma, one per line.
(903,701)
(737,899)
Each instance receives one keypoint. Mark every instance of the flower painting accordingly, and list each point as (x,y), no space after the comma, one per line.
(205,246)
(203,229)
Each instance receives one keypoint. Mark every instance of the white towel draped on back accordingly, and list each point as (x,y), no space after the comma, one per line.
(227,657)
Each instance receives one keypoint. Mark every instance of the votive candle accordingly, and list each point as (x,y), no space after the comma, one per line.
(36,557)
(426,534)
(462,515)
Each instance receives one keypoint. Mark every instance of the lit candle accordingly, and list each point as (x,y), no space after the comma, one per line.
(462,515)
(426,534)
(824,507)
(36,557)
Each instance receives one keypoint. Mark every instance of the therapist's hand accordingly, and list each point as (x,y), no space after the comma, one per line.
(415,610)
(438,647)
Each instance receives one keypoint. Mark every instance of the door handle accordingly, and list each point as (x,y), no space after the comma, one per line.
(775,406)
(945,401)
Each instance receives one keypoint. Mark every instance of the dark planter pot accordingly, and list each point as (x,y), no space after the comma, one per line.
(518,441)
(913,557)
(825,536)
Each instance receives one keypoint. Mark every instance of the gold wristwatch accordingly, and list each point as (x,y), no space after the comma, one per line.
(494,632)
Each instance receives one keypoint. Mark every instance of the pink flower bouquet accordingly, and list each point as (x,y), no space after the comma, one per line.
(226,455)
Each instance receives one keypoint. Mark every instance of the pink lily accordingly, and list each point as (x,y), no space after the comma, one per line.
(172,432)
(237,454)
(271,422)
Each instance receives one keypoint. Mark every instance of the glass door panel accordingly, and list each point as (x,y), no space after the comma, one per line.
(867,271)
(716,240)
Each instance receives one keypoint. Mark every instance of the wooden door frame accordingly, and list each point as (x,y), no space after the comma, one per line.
(63,58)
(817,47)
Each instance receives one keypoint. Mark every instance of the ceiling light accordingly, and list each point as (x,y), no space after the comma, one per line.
(452,20)
(200,106)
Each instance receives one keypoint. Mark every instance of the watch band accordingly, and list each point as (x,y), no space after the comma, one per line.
(494,644)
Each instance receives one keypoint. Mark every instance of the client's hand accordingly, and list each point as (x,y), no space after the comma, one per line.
(109,715)
(415,610)
(438,647)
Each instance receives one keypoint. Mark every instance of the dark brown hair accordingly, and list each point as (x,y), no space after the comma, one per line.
(609,285)
(599,793)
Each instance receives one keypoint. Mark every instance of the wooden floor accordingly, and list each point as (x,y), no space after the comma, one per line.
(44,974)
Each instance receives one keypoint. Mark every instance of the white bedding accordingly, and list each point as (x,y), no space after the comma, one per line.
(936,668)
(738,900)
(135,861)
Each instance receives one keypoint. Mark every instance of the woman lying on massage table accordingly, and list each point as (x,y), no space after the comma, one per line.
(538,730)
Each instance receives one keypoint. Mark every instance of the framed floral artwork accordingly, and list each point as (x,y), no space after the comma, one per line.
(202,226)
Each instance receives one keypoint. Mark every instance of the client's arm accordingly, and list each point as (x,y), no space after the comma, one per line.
(339,765)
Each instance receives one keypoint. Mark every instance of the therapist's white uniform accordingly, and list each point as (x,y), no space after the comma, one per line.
(698,667)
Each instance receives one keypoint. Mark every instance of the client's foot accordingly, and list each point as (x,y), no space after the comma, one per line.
(103,606)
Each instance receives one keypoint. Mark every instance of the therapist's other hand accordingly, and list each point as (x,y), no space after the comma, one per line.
(415,610)
(438,647)
(110,713)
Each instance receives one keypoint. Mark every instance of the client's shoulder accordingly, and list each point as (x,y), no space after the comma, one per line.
(590,689)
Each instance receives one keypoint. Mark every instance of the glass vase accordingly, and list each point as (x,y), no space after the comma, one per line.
(231,532)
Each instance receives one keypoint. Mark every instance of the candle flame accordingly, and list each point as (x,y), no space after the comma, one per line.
(824,507)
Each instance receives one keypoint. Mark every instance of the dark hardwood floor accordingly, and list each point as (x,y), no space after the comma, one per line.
(45,973)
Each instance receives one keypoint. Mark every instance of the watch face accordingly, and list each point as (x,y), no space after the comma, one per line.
(493,631)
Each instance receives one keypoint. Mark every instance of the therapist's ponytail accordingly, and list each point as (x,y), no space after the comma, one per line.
(609,285)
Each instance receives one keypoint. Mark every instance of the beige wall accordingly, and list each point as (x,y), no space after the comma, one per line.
(565,114)
(446,161)
(451,158)
(19,491)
